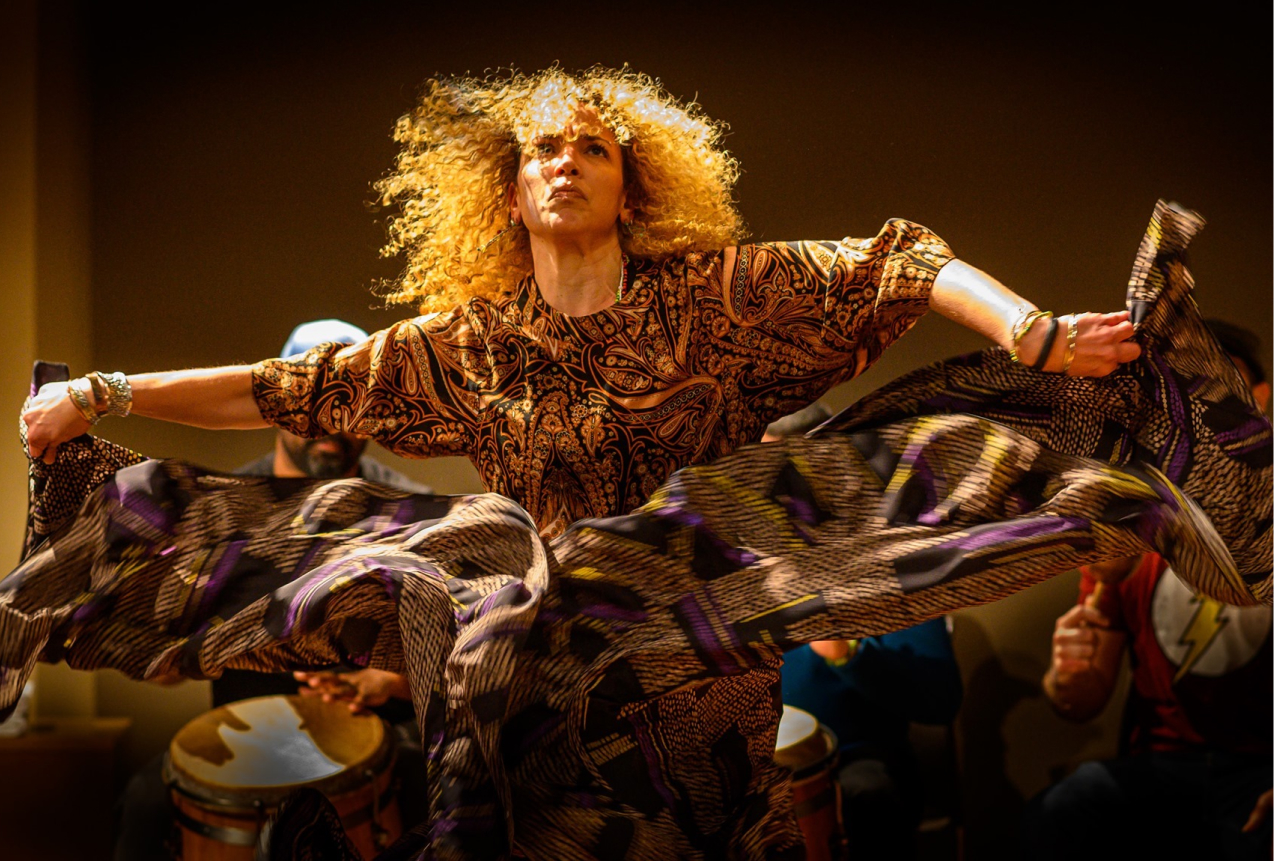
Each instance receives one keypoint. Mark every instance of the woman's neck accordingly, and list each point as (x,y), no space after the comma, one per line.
(575,280)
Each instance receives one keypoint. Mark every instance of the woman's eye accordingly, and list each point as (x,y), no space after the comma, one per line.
(543,148)
(598,149)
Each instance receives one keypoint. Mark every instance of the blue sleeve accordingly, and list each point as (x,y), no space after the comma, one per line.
(911,673)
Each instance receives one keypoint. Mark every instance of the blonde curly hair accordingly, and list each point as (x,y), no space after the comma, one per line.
(460,152)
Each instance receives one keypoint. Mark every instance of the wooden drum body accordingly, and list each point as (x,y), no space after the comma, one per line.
(809,749)
(229,769)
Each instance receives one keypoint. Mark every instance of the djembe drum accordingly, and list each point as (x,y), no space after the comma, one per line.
(229,769)
(809,749)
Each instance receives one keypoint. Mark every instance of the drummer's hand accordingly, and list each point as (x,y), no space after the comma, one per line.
(51,420)
(1102,344)
(168,679)
(1075,636)
(362,689)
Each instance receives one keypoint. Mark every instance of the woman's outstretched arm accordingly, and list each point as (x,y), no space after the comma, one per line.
(217,398)
(977,301)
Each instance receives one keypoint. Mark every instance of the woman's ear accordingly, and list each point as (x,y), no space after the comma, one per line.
(626,212)
(515,211)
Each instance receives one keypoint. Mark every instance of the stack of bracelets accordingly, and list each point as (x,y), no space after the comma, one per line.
(111,396)
(1023,325)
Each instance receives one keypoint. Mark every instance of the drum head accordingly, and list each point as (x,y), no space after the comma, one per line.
(261,749)
(802,741)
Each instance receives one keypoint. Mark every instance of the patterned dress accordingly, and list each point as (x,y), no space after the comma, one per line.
(607,694)
(578,417)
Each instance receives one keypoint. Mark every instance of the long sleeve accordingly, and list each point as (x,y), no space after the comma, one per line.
(411,387)
(789,320)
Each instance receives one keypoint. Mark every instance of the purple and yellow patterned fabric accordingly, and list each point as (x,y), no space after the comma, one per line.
(611,693)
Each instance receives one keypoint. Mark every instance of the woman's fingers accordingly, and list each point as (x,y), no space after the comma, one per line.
(51,420)
(1102,344)
(1119,330)
(1112,318)
(38,445)
(1127,351)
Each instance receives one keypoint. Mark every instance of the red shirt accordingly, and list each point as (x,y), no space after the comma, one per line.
(1201,669)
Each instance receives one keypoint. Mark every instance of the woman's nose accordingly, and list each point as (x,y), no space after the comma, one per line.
(566,165)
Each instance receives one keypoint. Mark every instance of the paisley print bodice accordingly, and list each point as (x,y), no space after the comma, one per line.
(578,417)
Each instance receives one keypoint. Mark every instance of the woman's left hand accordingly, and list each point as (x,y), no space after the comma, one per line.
(972,298)
(1101,344)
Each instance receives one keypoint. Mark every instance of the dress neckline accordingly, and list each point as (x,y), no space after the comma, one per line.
(534,306)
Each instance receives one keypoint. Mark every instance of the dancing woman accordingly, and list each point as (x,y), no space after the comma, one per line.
(595,325)
(592,326)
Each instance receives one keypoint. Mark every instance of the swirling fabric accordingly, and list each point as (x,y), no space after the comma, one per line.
(608,694)
(579,417)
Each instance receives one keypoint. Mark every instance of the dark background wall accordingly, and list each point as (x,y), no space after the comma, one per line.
(230,153)
(233,151)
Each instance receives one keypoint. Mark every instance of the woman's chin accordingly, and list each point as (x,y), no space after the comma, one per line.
(572,226)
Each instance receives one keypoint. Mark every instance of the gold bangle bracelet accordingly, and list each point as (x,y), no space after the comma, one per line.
(80,401)
(101,394)
(1021,327)
(1072,341)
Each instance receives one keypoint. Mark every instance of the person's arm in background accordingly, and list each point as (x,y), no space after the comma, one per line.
(1086,650)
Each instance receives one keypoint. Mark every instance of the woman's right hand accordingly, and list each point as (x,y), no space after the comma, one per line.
(51,420)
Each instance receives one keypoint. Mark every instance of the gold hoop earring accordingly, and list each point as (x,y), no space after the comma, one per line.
(512,224)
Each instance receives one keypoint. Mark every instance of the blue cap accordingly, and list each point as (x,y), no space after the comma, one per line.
(307,336)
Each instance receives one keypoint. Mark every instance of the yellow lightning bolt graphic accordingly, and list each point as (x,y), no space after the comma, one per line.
(1204,625)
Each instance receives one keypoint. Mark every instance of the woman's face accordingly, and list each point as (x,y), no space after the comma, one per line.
(571,185)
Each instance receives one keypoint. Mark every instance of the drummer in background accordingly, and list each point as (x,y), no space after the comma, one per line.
(1192,778)
(146,821)
(868,692)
